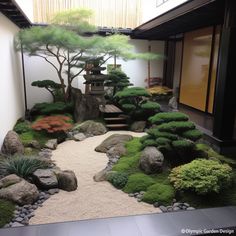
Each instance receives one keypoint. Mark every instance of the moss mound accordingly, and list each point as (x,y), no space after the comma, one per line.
(138,182)
(161,193)
(6,212)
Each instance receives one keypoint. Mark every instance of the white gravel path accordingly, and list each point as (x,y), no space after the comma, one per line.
(91,199)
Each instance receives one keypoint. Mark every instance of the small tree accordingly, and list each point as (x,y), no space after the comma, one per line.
(64,46)
(117,80)
(51,86)
(134,101)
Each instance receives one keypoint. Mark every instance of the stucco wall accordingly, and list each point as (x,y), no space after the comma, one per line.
(37,69)
(11,88)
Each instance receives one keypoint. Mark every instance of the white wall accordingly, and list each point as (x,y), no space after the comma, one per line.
(150,10)
(11,88)
(37,69)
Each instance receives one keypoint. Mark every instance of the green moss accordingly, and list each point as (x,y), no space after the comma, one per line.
(6,212)
(165,117)
(129,162)
(151,106)
(157,134)
(176,126)
(138,182)
(27,137)
(161,193)
(193,135)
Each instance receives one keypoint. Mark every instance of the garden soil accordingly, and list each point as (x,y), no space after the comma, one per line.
(92,199)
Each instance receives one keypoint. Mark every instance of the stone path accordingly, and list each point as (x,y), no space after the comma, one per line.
(91,199)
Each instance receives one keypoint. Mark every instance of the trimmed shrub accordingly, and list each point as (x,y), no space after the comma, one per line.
(151,106)
(182,145)
(201,176)
(157,134)
(162,141)
(193,135)
(6,212)
(165,117)
(145,137)
(132,92)
(22,127)
(53,124)
(161,193)
(149,142)
(128,107)
(23,166)
(52,108)
(118,179)
(138,182)
(176,126)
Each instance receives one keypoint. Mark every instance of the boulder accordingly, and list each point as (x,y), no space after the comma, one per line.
(117,151)
(90,127)
(9,180)
(34,144)
(138,126)
(79,137)
(12,144)
(22,193)
(45,178)
(67,180)
(112,141)
(51,144)
(102,175)
(151,160)
(86,107)
(173,104)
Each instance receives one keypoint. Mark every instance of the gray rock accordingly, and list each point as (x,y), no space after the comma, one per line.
(151,160)
(45,178)
(19,219)
(16,224)
(173,104)
(163,208)
(176,208)
(79,137)
(156,204)
(91,127)
(139,199)
(101,175)
(86,107)
(186,204)
(45,153)
(138,126)
(67,180)
(190,208)
(53,191)
(51,144)
(9,180)
(116,151)
(131,194)
(21,193)
(176,204)
(34,144)
(112,141)
(12,144)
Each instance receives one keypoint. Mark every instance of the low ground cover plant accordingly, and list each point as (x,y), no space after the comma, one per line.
(6,212)
(201,176)
(118,179)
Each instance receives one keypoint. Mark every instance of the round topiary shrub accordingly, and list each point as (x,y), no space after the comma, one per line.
(201,176)
(118,179)
(193,135)
(22,127)
(161,193)
(138,182)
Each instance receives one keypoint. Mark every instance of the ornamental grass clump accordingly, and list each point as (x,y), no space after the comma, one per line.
(53,124)
(23,166)
(174,135)
(201,176)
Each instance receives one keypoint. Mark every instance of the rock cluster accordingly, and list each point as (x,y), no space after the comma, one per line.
(177,206)
(22,214)
(138,195)
(114,147)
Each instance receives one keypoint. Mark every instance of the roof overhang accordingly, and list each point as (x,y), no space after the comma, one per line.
(14,13)
(191,15)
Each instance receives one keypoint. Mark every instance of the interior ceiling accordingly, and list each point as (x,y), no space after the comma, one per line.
(184,18)
(11,10)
